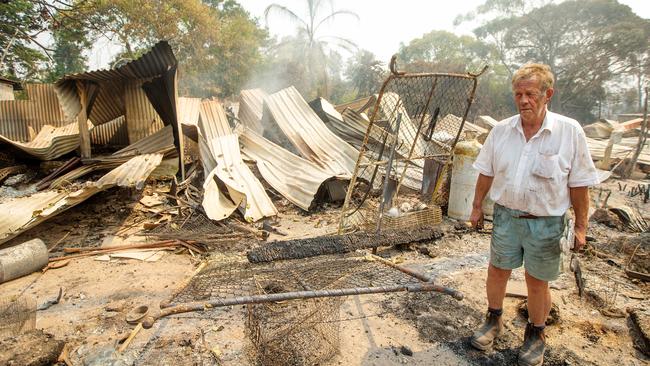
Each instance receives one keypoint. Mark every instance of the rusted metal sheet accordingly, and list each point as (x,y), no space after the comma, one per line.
(109,104)
(161,142)
(289,112)
(21,214)
(295,178)
(361,105)
(141,119)
(158,61)
(39,109)
(188,110)
(251,107)
(51,142)
(113,133)
(222,160)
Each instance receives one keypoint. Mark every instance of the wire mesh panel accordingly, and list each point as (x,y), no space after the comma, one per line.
(294,332)
(414,125)
(221,280)
(196,227)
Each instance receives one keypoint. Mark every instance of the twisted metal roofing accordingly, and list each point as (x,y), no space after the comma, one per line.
(295,178)
(21,214)
(308,133)
(221,158)
(51,142)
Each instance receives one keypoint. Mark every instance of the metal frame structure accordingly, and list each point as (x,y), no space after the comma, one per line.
(425,96)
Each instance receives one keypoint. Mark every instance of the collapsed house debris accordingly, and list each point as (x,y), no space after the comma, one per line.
(21,214)
(386,157)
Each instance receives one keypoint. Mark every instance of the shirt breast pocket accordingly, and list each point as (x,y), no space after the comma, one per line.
(547,166)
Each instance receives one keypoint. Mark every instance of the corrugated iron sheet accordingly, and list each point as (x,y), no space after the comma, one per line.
(221,159)
(21,214)
(352,126)
(141,118)
(161,142)
(51,142)
(113,133)
(486,122)
(159,60)
(40,109)
(157,142)
(215,121)
(622,150)
(295,178)
(360,105)
(188,110)
(109,103)
(251,107)
(289,112)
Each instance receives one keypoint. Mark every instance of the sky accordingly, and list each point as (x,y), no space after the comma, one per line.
(382,25)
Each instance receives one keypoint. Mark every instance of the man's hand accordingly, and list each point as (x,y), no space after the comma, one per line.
(476,218)
(580,238)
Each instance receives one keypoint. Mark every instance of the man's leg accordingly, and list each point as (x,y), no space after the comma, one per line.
(539,300)
(497,280)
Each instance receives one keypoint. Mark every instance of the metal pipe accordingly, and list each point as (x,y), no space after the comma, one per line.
(149,320)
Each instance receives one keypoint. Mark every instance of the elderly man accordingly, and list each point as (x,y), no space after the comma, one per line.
(535,165)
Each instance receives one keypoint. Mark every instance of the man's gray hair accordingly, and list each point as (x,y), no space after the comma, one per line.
(531,70)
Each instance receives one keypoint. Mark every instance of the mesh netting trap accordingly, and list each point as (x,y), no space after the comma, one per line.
(412,129)
(293,305)
(17,315)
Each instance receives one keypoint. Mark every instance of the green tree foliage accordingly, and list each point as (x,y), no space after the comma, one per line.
(70,41)
(365,73)
(445,51)
(309,45)
(586,43)
(21,22)
(216,42)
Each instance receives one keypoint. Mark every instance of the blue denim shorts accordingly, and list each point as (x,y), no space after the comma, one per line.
(535,243)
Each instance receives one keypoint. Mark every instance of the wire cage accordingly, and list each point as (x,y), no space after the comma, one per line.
(414,125)
(297,331)
(17,315)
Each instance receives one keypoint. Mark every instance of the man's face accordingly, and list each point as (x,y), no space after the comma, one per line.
(530,99)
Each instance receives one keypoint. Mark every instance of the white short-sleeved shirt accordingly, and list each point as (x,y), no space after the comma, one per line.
(535,176)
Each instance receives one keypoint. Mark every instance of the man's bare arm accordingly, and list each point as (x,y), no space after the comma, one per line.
(580,202)
(483,184)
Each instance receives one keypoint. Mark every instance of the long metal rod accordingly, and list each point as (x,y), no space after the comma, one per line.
(296,295)
(387,177)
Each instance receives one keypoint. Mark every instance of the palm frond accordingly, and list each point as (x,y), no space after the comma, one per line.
(285,12)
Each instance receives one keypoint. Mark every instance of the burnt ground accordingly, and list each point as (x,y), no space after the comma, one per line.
(418,329)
